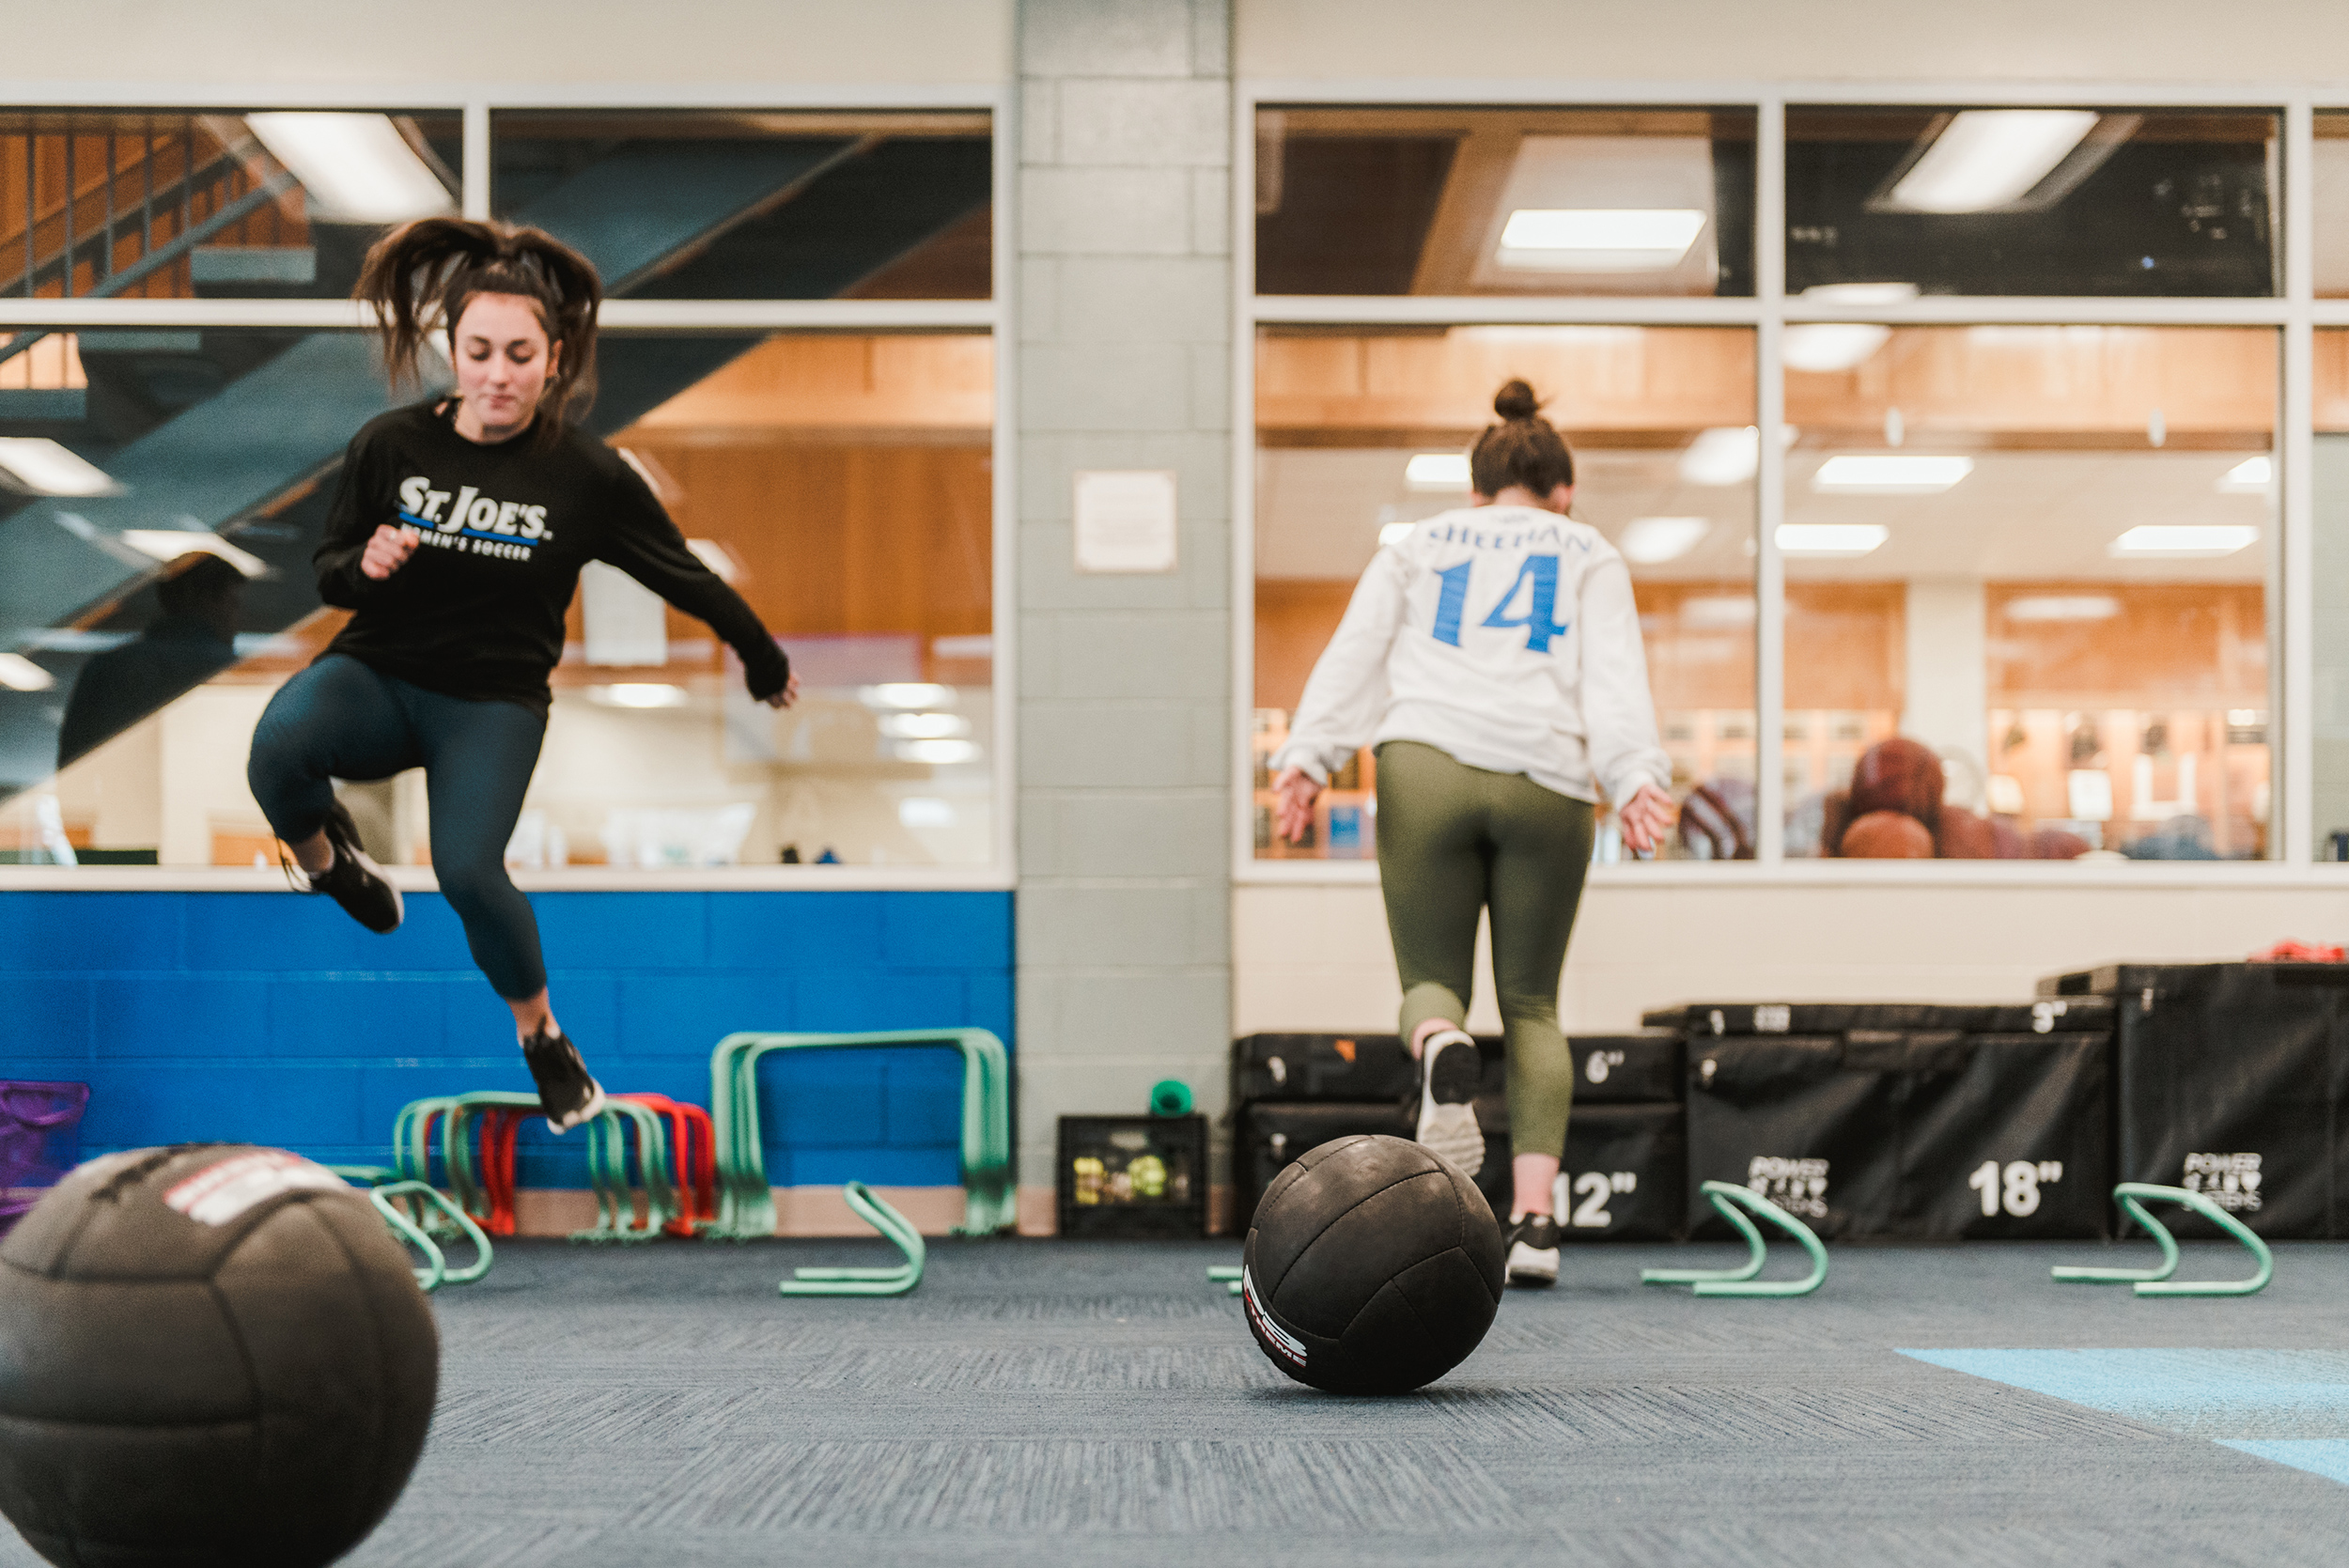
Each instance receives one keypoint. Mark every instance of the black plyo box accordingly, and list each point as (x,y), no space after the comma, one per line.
(1269,1134)
(1624,1167)
(1916,1134)
(1609,1069)
(2050,1014)
(2232,1079)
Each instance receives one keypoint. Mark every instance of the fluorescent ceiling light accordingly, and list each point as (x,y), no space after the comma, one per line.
(1830,539)
(2176,541)
(357,168)
(1437,471)
(1986,158)
(905,693)
(1830,348)
(924,811)
(637,694)
(45,467)
(937,753)
(19,674)
(1888,474)
(1826,347)
(710,553)
(979,644)
(2063,607)
(1727,454)
(169,544)
(2251,476)
(923,727)
(1648,540)
(1599,239)
(1394,533)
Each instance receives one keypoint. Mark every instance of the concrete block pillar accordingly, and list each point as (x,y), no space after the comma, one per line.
(1123,691)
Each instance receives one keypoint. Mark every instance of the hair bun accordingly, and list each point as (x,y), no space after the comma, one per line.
(1516,401)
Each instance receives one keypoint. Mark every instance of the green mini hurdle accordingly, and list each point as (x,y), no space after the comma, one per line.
(746,1206)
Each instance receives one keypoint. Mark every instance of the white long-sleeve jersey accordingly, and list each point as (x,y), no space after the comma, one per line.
(1505,636)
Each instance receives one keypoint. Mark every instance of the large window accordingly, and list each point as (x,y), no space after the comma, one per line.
(2043,553)
(2011,574)
(163,484)
(1360,434)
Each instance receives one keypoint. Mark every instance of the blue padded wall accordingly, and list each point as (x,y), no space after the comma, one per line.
(273,1018)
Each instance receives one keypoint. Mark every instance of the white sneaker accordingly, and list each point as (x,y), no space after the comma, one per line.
(1449,1073)
(1533,1250)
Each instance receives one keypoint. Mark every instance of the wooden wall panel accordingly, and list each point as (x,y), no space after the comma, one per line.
(938,382)
(835,539)
(2211,384)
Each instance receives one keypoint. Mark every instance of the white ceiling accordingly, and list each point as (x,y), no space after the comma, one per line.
(2018,515)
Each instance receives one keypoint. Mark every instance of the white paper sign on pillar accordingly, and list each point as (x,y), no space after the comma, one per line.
(1126,520)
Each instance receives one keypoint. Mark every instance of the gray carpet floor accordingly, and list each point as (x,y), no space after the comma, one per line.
(1040,1403)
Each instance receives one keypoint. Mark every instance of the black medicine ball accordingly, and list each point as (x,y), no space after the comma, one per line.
(209,1355)
(1372,1267)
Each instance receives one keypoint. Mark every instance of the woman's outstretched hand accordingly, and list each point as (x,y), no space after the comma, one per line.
(789,694)
(387,550)
(1647,817)
(1294,812)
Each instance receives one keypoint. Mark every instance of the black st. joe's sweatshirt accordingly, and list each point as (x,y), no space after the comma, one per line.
(477,609)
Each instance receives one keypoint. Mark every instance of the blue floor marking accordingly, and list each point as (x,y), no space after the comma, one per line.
(2290,1406)
(2325,1456)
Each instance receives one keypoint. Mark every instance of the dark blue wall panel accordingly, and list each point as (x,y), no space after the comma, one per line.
(273,1018)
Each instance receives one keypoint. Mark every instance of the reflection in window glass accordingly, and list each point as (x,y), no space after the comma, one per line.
(2330,176)
(717,206)
(1361,430)
(2027,594)
(2328,592)
(1888,203)
(1505,201)
(144,666)
(163,204)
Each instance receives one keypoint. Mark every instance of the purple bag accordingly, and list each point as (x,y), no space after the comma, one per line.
(40,1140)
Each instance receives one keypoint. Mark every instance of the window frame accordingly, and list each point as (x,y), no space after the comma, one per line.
(993,315)
(2294,314)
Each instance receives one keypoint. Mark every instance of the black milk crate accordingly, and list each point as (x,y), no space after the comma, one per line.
(1133,1177)
(2232,1079)
(1929,1135)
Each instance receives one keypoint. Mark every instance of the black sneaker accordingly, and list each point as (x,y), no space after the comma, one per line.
(566,1093)
(354,881)
(1533,1250)
(1449,1073)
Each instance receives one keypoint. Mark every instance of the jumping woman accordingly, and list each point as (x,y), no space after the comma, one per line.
(456,539)
(1492,656)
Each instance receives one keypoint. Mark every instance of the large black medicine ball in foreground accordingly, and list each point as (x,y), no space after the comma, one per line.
(1372,1267)
(209,1355)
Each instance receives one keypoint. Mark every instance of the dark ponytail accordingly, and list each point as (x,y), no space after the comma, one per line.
(1523,449)
(422,276)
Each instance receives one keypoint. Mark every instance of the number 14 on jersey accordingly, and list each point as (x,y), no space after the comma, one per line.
(1536,584)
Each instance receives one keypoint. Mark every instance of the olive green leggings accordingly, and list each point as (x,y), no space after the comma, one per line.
(1452,840)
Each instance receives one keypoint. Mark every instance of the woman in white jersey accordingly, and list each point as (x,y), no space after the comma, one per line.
(1492,656)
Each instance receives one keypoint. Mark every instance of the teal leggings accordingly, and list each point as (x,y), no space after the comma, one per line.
(1454,840)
